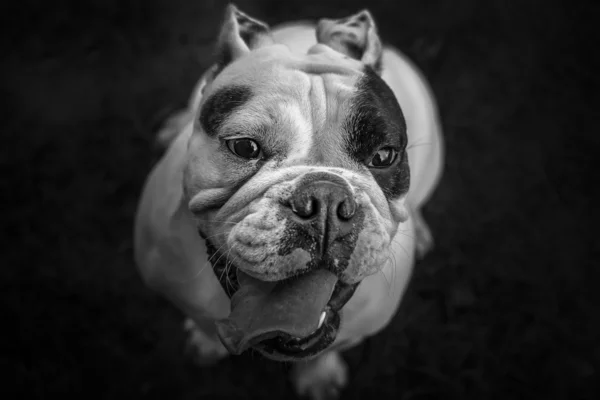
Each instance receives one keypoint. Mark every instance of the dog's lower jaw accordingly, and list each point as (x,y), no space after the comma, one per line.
(303,349)
(284,347)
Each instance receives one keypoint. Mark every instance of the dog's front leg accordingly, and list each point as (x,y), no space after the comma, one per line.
(203,343)
(320,378)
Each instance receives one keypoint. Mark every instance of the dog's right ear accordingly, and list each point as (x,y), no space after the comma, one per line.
(240,34)
(355,36)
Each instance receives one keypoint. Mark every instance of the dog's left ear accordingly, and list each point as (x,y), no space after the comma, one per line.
(355,36)
(240,34)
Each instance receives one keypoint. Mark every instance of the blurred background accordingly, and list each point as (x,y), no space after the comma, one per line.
(505,307)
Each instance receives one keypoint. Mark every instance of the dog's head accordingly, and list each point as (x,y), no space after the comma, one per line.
(296,173)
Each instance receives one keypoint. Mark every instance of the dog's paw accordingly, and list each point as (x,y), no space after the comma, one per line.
(321,378)
(423,236)
(204,349)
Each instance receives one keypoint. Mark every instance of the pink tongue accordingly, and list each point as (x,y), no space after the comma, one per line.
(262,310)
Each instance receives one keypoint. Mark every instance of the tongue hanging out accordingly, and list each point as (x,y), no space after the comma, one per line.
(263,310)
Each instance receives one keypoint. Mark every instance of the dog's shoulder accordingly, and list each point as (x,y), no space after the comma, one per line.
(159,203)
(169,254)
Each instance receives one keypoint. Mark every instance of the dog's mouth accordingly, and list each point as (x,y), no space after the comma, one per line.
(285,346)
(292,319)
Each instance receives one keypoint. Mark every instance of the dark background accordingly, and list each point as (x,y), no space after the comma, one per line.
(505,307)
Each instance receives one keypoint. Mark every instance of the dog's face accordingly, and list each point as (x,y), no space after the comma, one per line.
(298,163)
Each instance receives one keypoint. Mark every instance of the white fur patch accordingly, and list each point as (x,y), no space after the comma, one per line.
(302,130)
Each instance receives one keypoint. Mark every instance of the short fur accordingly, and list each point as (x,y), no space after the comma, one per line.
(320,101)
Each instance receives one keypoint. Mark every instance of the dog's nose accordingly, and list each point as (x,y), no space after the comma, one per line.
(327,206)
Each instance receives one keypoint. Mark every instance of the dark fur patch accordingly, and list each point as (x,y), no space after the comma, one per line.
(376,121)
(220,105)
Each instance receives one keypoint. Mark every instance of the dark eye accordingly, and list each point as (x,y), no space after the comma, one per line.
(383,158)
(245,148)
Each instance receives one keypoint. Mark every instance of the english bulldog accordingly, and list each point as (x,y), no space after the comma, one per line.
(285,215)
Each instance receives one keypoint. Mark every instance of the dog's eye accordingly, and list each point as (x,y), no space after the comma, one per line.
(245,148)
(383,158)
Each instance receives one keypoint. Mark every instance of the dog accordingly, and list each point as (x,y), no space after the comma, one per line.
(285,215)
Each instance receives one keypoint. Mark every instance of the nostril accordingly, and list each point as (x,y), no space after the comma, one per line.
(346,209)
(304,207)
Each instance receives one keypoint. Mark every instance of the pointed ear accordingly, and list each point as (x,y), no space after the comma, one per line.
(356,36)
(239,35)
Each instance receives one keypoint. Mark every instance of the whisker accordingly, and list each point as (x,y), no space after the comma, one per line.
(410,146)
(395,261)
(215,220)
(228,266)
(224,269)
(212,236)
(191,278)
(197,274)
(228,284)
(406,234)
(221,276)
(403,233)
(404,249)
(401,246)
(389,283)
(395,267)
(217,252)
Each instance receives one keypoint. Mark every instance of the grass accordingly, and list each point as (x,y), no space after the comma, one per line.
(503,308)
